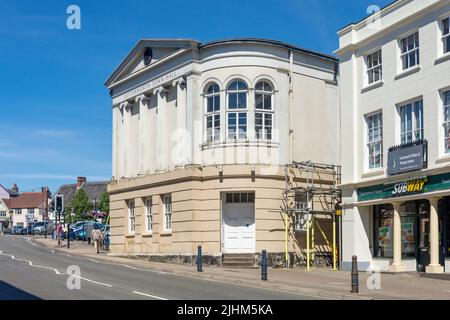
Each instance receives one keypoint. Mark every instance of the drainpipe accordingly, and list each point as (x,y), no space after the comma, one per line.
(291,104)
(291,143)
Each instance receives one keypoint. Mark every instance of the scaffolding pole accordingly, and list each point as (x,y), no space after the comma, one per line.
(307,246)
(287,240)
(307,184)
(334,244)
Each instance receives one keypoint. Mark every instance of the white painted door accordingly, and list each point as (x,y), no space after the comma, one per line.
(239,227)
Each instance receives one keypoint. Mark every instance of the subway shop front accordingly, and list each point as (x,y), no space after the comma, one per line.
(406,224)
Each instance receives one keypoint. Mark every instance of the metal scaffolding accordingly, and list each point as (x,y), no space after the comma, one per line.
(312,193)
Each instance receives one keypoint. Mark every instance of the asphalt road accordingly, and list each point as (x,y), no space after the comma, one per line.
(31,271)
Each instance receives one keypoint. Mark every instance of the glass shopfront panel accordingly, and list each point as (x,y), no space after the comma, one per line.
(384,232)
(384,229)
(408,219)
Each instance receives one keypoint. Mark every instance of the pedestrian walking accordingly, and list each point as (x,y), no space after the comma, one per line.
(59,232)
(96,236)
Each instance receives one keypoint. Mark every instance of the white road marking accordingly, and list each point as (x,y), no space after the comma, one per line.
(122,265)
(218,281)
(56,271)
(92,281)
(149,295)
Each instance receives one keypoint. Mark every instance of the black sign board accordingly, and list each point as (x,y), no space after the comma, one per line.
(406,158)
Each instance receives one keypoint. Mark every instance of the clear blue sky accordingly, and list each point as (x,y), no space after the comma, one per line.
(55,112)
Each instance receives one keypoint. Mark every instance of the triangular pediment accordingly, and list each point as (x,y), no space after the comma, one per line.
(147,53)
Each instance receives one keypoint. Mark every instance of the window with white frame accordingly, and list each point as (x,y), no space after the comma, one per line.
(2,213)
(240,197)
(302,211)
(18,211)
(131,217)
(30,211)
(375,140)
(20,224)
(167,212)
(374,67)
(446,34)
(411,122)
(263,110)
(212,115)
(409,47)
(446,122)
(237,92)
(148,215)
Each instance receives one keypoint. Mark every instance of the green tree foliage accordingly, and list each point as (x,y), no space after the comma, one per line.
(103,205)
(81,204)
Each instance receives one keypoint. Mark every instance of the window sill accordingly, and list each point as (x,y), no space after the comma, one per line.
(407,72)
(147,235)
(130,235)
(372,86)
(443,159)
(240,143)
(442,58)
(166,234)
(372,173)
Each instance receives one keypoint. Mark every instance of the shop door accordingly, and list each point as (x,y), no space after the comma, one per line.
(423,257)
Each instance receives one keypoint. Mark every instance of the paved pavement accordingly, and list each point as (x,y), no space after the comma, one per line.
(173,281)
(33,271)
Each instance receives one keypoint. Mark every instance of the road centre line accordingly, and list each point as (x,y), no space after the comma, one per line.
(149,295)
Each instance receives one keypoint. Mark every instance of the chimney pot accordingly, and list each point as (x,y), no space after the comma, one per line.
(80,181)
(15,188)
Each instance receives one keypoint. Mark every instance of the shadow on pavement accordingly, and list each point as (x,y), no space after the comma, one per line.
(9,292)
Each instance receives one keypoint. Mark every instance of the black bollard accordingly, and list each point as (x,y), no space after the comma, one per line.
(264,265)
(199,259)
(68,236)
(355,276)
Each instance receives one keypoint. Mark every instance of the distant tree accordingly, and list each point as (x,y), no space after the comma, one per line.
(81,204)
(68,213)
(103,205)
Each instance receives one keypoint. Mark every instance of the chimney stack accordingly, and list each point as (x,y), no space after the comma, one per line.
(15,188)
(80,181)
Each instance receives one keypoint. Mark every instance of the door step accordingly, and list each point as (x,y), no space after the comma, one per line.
(237,260)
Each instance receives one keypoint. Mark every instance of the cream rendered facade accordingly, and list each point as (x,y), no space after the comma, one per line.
(5,215)
(427,81)
(170,170)
(23,216)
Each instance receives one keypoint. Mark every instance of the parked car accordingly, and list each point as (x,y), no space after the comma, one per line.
(80,232)
(19,230)
(42,227)
(73,227)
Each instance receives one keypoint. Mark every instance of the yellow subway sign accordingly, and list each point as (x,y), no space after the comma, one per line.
(440,182)
(409,187)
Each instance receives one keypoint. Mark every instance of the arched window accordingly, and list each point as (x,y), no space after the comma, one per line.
(212,115)
(237,92)
(263,110)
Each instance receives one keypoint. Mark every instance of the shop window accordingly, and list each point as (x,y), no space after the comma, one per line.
(408,220)
(384,232)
